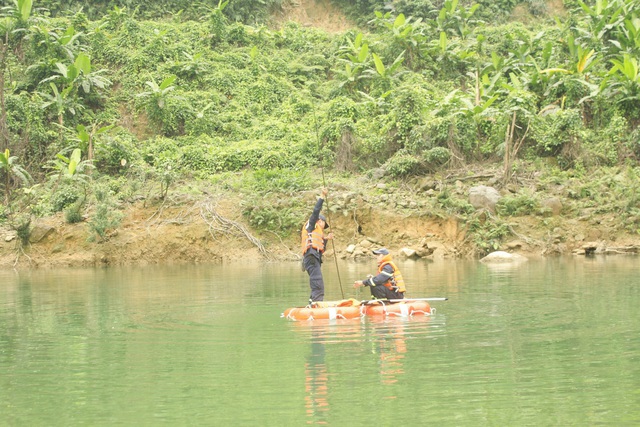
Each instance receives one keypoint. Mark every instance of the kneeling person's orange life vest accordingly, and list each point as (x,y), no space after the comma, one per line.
(396,281)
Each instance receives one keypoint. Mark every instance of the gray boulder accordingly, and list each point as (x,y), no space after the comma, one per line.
(483,197)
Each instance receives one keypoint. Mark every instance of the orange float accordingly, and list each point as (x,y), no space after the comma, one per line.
(330,313)
(331,310)
(400,309)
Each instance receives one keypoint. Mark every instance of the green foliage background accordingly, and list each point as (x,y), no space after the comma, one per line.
(168,90)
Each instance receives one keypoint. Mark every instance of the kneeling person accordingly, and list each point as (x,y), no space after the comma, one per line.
(388,283)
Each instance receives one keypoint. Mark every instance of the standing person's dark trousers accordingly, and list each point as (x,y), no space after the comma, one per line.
(312,266)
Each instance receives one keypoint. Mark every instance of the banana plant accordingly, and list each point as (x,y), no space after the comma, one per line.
(406,35)
(9,167)
(55,42)
(13,20)
(385,75)
(350,77)
(62,102)
(80,74)
(19,12)
(158,93)
(23,9)
(449,53)
(193,65)
(86,137)
(441,48)
(71,168)
(603,21)
(539,81)
(355,57)
(629,39)
(386,72)
(355,51)
(456,21)
(625,75)
(576,72)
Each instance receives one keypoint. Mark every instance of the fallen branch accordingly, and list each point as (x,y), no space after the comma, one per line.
(224,225)
(294,256)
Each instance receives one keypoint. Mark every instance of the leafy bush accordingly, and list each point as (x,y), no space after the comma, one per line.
(517,205)
(487,235)
(283,216)
(64,196)
(105,216)
(403,164)
(604,147)
(436,157)
(454,204)
(555,130)
(116,152)
(73,213)
(280,180)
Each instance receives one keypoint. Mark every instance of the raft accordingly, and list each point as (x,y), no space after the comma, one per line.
(353,309)
(400,309)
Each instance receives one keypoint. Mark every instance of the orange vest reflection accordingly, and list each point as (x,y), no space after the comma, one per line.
(316,385)
(391,349)
(388,337)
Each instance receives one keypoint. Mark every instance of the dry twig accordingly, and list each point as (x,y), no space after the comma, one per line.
(220,224)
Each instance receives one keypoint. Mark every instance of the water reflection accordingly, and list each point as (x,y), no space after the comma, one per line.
(386,339)
(391,347)
(533,345)
(316,381)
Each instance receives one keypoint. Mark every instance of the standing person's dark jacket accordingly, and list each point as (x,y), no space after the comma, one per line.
(313,243)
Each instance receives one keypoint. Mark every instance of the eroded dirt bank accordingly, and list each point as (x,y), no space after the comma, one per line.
(204,231)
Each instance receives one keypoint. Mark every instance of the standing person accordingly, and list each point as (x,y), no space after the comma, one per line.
(313,242)
(388,283)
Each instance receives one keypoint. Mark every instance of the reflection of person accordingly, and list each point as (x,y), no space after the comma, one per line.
(313,241)
(316,382)
(388,283)
(392,349)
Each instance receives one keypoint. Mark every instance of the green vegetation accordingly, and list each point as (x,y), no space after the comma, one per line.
(149,94)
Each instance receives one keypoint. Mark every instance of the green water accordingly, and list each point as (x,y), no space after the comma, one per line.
(549,343)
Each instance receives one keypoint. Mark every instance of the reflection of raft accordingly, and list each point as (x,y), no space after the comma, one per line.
(353,309)
(402,309)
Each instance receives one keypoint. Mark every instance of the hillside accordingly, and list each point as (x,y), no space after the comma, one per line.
(192,138)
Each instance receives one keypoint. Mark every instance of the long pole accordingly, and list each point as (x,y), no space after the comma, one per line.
(324,184)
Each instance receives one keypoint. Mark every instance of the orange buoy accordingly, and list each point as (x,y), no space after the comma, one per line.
(401,309)
(330,313)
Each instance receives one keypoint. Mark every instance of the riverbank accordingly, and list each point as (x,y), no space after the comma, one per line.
(364,213)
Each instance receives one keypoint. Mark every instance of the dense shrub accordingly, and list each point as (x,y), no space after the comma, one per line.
(554,131)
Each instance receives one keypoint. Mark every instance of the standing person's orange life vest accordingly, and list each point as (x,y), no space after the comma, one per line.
(315,239)
(396,282)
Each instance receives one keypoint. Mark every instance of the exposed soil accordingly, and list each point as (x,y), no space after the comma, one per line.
(312,13)
(189,230)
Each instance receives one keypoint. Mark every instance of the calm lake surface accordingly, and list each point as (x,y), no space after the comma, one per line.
(552,342)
